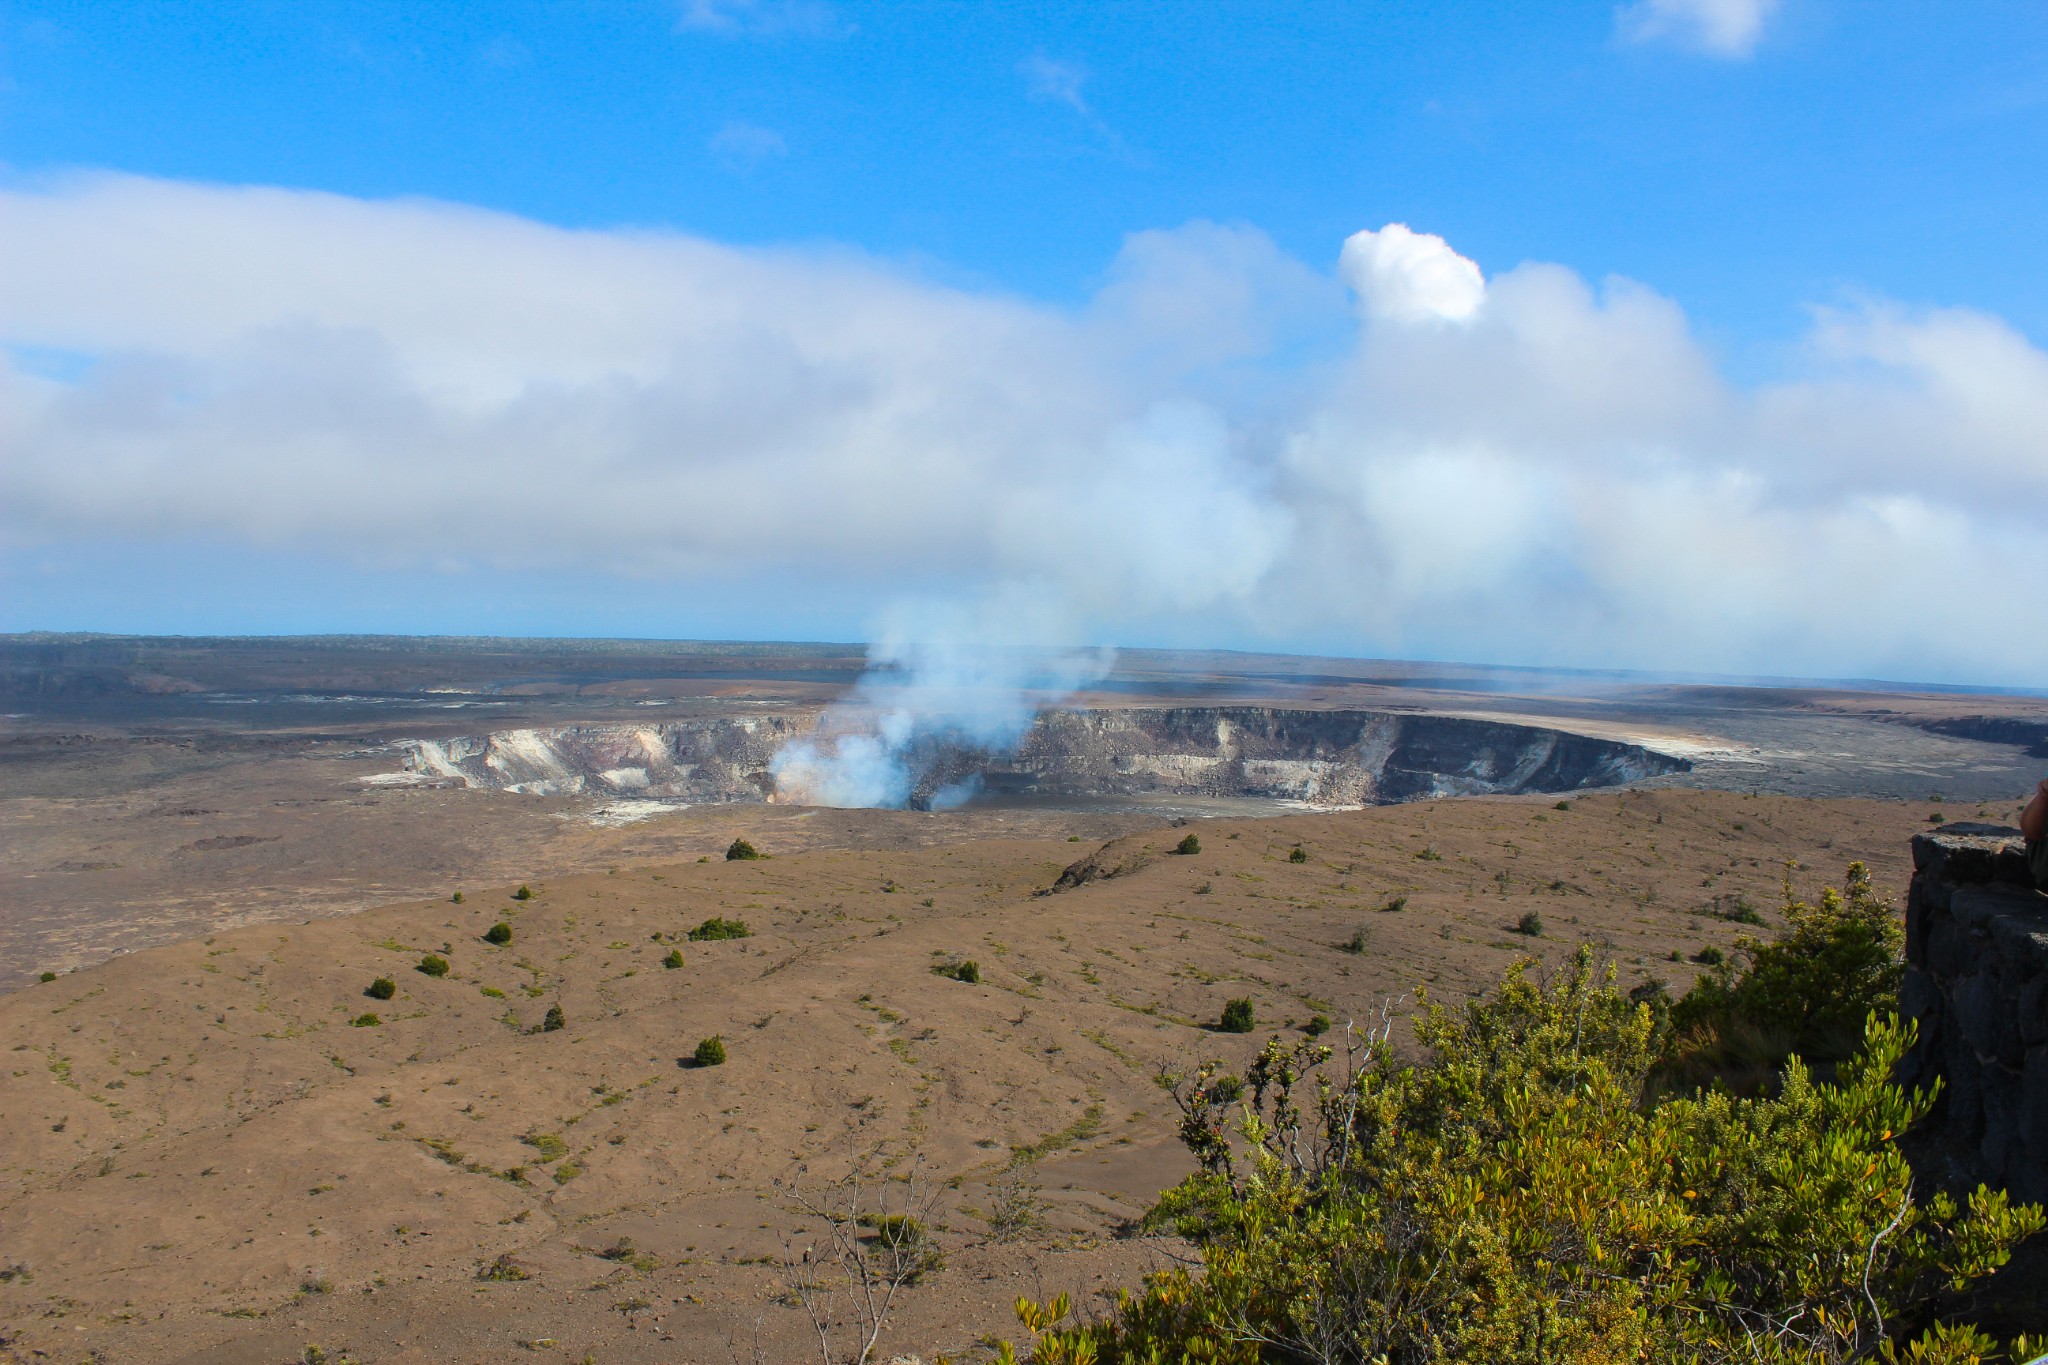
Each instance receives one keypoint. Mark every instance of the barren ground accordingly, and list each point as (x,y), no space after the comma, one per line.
(206,1161)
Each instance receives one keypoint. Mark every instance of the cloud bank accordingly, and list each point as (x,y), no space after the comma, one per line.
(1224,445)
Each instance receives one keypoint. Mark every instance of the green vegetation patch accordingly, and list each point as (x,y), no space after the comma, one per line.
(719,927)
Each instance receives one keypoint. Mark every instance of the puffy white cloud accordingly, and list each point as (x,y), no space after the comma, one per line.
(1526,467)
(1405,276)
(1722,28)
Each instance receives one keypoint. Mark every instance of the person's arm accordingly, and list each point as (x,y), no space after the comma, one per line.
(2034,819)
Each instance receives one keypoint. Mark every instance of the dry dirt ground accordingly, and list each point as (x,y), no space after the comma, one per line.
(206,1161)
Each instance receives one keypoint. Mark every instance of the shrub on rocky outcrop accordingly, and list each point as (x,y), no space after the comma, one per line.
(433,964)
(1238,1016)
(1522,1195)
(740,851)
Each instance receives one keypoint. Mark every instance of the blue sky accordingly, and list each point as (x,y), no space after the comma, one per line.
(1900,148)
(1818,194)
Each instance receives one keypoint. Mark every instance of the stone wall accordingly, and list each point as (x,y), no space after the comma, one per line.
(1977,983)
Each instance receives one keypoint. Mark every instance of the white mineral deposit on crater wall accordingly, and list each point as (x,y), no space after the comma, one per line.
(1322,759)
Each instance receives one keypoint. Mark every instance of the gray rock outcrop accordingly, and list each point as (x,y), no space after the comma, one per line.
(1977,984)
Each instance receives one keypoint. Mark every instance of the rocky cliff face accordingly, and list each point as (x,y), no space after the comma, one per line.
(1977,985)
(1322,758)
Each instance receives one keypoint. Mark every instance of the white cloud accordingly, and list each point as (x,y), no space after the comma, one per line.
(1057,81)
(1405,276)
(1721,28)
(762,18)
(743,146)
(1521,467)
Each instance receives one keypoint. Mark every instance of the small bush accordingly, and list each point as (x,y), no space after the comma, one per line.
(433,964)
(1300,855)
(365,1021)
(555,1020)
(718,927)
(1429,854)
(504,1268)
(456,899)
(499,933)
(1710,956)
(740,851)
(710,1052)
(550,1146)
(1189,845)
(524,893)
(1742,912)
(1394,906)
(968,971)
(1355,945)
(1238,1016)
(1562,805)
(1317,1025)
(383,988)
(1530,924)
(674,959)
(47,976)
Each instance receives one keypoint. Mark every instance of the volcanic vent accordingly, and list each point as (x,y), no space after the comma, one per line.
(1320,758)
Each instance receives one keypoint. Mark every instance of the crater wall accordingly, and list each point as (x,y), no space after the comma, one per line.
(1321,758)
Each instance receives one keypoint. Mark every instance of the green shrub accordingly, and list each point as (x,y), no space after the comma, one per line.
(1806,992)
(504,1268)
(1710,956)
(550,1146)
(1394,906)
(47,976)
(740,851)
(1317,1026)
(1189,845)
(718,927)
(904,1238)
(524,893)
(1238,1016)
(1530,924)
(1742,912)
(499,933)
(1299,855)
(967,970)
(1519,1196)
(383,988)
(1562,805)
(555,1019)
(710,1052)
(1355,945)
(365,1021)
(674,958)
(456,898)
(433,964)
